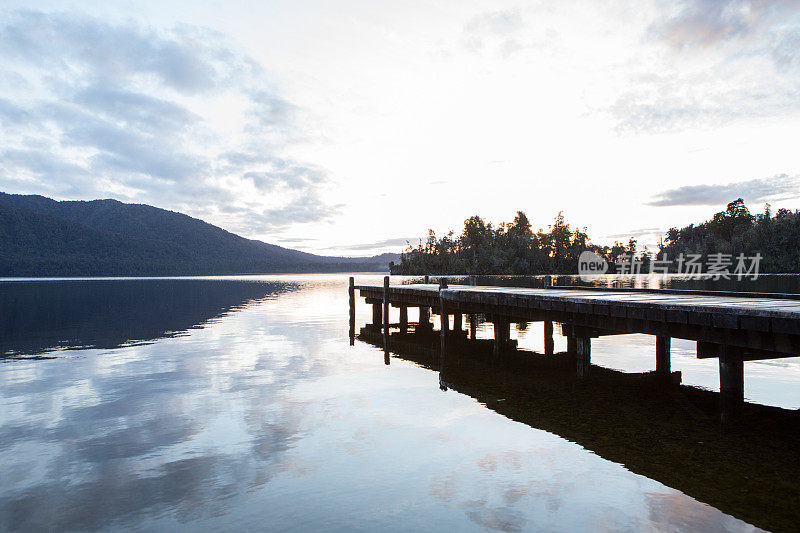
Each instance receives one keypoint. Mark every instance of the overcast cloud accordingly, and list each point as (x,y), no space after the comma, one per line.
(347,123)
(177,118)
(780,187)
(726,60)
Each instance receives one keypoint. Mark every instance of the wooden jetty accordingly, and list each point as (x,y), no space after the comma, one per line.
(733,327)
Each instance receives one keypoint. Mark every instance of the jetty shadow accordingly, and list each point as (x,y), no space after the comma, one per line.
(656,428)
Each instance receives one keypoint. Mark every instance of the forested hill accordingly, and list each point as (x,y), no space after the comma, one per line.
(514,248)
(773,235)
(43,237)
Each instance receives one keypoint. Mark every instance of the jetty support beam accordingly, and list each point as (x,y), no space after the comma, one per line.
(377,316)
(403,319)
(583,354)
(351,290)
(502,335)
(571,346)
(444,315)
(424,323)
(386,305)
(663,355)
(731,382)
(548,337)
(473,318)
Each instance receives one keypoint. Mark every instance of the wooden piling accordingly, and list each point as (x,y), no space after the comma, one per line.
(473,318)
(571,345)
(497,345)
(457,324)
(377,319)
(502,335)
(424,322)
(386,305)
(351,290)
(443,329)
(548,337)
(663,355)
(403,319)
(583,355)
(731,382)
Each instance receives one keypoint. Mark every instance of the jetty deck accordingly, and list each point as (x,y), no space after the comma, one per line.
(733,327)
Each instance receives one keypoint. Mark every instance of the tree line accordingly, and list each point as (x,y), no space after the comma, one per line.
(514,248)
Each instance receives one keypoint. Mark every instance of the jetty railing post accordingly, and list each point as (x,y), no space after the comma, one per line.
(424,322)
(352,293)
(443,328)
(444,317)
(386,305)
(583,353)
(663,355)
(473,318)
(731,382)
(548,337)
(386,320)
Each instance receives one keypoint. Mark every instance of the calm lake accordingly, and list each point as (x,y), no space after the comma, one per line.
(239,403)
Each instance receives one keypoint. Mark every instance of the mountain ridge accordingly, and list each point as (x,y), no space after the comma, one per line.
(40,236)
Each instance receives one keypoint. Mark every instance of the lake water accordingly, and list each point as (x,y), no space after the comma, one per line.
(239,403)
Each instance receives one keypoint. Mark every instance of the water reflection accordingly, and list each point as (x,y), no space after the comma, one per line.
(260,415)
(110,440)
(667,433)
(38,317)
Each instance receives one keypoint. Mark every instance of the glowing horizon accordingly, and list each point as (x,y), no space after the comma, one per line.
(348,129)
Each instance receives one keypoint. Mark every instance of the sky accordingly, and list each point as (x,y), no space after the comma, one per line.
(352,127)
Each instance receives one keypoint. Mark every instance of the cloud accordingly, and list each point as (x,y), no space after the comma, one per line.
(636,233)
(676,104)
(697,23)
(114,54)
(117,437)
(710,63)
(386,243)
(306,208)
(495,28)
(142,111)
(12,114)
(297,239)
(497,22)
(101,109)
(780,187)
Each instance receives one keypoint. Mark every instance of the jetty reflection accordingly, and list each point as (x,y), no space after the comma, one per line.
(39,317)
(662,430)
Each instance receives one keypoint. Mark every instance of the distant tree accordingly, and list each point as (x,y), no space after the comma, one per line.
(513,248)
(510,248)
(736,231)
